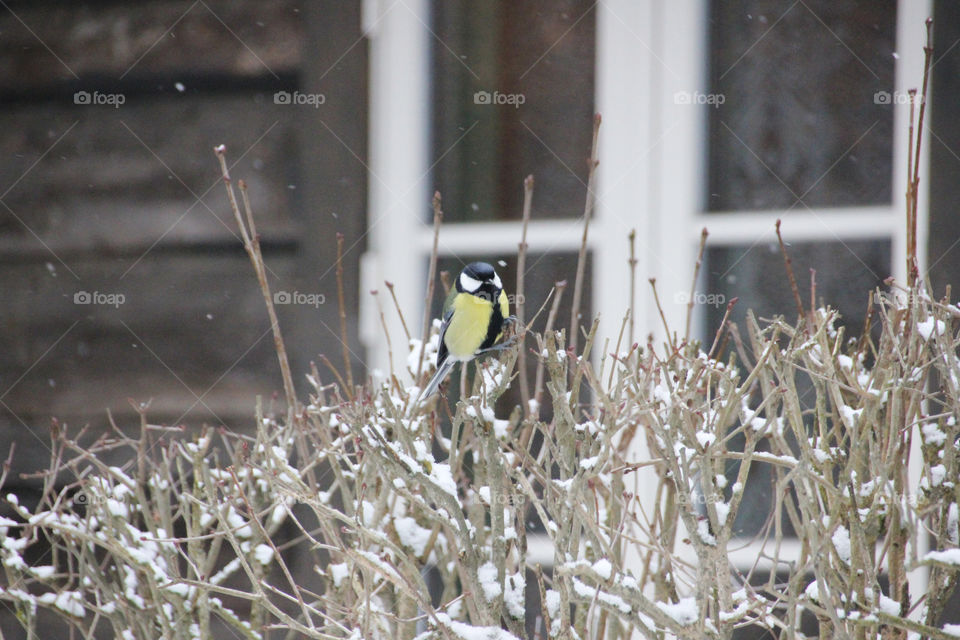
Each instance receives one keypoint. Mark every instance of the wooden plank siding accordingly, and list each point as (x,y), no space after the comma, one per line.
(127,200)
(45,43)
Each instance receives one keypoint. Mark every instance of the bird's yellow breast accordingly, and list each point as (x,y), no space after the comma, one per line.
(469,324)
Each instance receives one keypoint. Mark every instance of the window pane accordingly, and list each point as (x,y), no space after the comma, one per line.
(807,113)
(512,96)
(944,126)
(845,275)
(846,272)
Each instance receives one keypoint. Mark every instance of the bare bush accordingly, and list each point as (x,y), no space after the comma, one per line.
(159,546)
(359,514)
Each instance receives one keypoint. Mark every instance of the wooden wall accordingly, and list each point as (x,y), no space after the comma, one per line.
(123,199)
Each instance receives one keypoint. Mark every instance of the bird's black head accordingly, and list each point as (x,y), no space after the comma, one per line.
(480,279)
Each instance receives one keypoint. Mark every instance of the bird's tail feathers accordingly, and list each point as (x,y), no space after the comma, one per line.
(442,372)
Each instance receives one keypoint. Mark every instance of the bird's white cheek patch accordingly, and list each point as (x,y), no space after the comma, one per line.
(496,281)
(469,284)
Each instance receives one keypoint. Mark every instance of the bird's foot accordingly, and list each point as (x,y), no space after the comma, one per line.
(506,344)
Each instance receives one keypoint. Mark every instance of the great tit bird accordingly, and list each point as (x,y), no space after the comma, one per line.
(473,318)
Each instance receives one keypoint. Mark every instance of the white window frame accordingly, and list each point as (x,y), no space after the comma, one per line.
(651,178)
(647,52)
(400,166)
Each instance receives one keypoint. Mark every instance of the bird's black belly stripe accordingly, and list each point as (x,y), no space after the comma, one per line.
(495,327)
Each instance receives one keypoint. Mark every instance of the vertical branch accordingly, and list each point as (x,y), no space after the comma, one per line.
(431,279)
(386,333)
(521,277)
(693,285)
(616,351)
(813,291)
(445,282)
(911,198)
(899,590)
(663,318)
(343,316)
(551,319)
(793,281)
(723,325)
(251,243)
(913,267)
(633,280)
(582,258)
(393,295)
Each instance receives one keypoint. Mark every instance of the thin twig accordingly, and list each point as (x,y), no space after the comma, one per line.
(693,285)
(543,306)
(383,324)
(251,243)
(558,288)
(396,305)
(633,280)
(914,266)
(813,291)
(431,280)
(663,318)
(864,341)
(343,317)
(326,361)
(793,281)
(726,317)
(911,196)
(521,278)
(445,282)
(616,354)
(582,257)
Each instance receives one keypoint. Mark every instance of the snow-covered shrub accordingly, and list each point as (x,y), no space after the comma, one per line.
(407,530)
(359,513)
